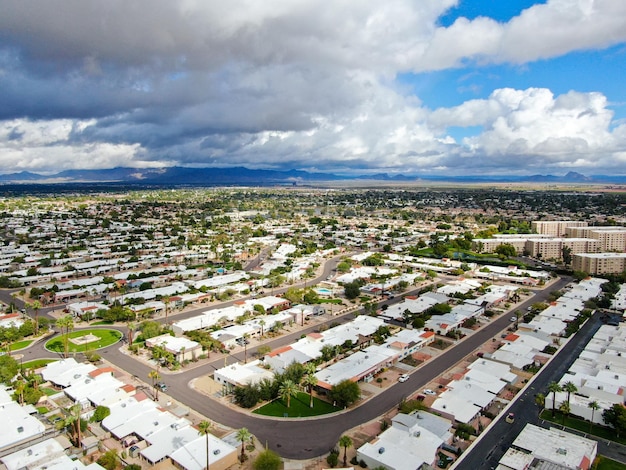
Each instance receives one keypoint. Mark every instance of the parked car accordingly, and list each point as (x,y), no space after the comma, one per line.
(428,391)
(510,418)
(161,386)
(513,318)
(403,378)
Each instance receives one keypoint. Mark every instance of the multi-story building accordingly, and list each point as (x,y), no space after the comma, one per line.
(552,248)
(613,238)
(599,263)
(555,228)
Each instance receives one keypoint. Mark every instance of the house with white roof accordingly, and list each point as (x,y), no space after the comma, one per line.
(362,365)
(406,445)
(48,454)
(457,406)
(67,371)
(182,348)
(549,448)
(192,456)
(18,423)
(239,375)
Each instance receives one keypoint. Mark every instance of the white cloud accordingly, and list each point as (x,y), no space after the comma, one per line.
(298,83)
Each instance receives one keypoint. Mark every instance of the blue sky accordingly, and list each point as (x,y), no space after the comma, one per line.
(350,87)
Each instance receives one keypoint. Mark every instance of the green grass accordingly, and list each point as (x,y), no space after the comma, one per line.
(106,338)
(603,463)
(49,391)
(602,432)
(37,363)
(21,344)
(42,410)
(102,322)
(299,407)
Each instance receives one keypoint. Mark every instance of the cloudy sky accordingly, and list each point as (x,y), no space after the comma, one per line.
(415,87)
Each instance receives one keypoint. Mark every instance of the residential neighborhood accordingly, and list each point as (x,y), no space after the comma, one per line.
(133,327)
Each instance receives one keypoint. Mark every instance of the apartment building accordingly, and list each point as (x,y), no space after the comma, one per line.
(599,263)
(612,238)
(555,228)
(552,248)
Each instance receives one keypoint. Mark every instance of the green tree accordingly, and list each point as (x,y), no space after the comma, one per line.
(204,428)
(267,460)
(570,388)
(66,324)
(287,390)
(565,409)
(109,459)
(154,376)
(345,393)
(243,435)
(309,381)
(540,400)
(352,290)
(616,418)
(345,442)
(554,388)
(100,413)
(594,407)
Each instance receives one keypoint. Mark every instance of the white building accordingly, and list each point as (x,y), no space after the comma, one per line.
(552,446)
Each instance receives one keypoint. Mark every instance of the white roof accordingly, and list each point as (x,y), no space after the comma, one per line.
(355,366)
(173,343)
(556,446)
(125,412)
(462,410)
(241,374)
(192,456)
(17,423)
(66,372)
(39,455)
(104,389)
(471,392)
(401,450)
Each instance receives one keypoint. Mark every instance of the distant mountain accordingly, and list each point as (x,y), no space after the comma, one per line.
(245,176)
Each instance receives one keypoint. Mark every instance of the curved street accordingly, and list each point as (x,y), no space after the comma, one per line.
(311,437)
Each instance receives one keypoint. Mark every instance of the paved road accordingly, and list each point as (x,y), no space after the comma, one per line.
(486,453)
(307,438)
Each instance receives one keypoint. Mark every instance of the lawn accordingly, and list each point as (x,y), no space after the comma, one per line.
(299,407)
(106,338)
(602,463)
(102,322)
(21,344)
(37,363)
(582,425)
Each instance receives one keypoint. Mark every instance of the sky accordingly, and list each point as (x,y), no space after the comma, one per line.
(353,87)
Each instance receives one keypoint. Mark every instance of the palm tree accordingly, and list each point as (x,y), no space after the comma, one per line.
(131,332)
(243,435)
(309,380)
(73,422)
(36,305)
(245,348)
(20,386)
(166,301)
(345,442)
(570,388)
(540,400)
(66,323)
(261,324)
(287,390)
(553,388)
(564,409)
(203,429)
(154,375)
(594,407)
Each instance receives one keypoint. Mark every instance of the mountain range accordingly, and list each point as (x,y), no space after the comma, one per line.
(174,176)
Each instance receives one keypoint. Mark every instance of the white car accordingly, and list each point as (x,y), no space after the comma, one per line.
(403,378)
(428,391)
